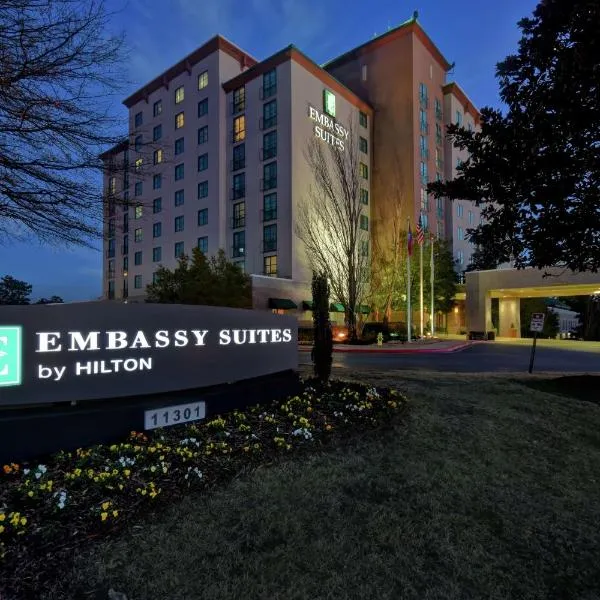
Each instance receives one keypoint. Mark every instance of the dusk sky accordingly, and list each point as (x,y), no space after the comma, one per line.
(474,34)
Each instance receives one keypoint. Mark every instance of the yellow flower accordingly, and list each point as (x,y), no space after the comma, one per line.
(120,486)
(1,528)
(115,513)
(2,517)
(23,521)
(105,505)
(328,427)
(104,516)
(30,493)
(127,472)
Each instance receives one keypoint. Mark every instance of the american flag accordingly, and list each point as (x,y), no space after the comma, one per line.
(410,240)
(420,233)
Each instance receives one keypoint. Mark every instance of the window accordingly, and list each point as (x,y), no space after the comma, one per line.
(137,282)
(440,229)
(179,145)
(459,118)
(179,223)
(203,135)
(203,107)
(158,156)
(364,196)
(157,230)
(460,256)
(157,182)
(363,72)
(270,238)
(157,108)
(438,176)
(364,222)
(269,114)
(111,268)
(137,143)
(203,216)
(364,248)
(423,147)
(460,234)
(138,164)
(423,172)
(423,121)
(178,249)
(157,254)
(138,188)
(269,176)
(139,234)
(470,213)
(362,144)
(362,118)
(239,100)
(179,198)
(440,208)
(423,99)
(269,145)
(239,186)
(111,206)
(111,228)
(239,243)
(425,221)
(269,84)
(179,171)
(203,189)
(157,205)
(203,244)
(270,265)
(112,185)
(138,211)
(125,262)
(270,207)
(111,290)
(126,183)
(438,134)
(469,127)
(239,128)
(363,171)
(439,163)
(111,248)
(239,215)
(125,248)
(202,80)
(424,200)
(239,157)
(179,120)
(438,110)
(137,258)
(203,162)
(126,223)
(459,210)
(157,133)
(138,119)
(179,94)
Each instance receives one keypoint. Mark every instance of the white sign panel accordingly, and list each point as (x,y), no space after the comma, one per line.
(537,322)
(174,415)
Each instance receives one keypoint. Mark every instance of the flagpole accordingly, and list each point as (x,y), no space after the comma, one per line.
(432,296)
(408,307)
(421,280)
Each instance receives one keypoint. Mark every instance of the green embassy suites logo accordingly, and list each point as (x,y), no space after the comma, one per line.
(10,355)
(329,103)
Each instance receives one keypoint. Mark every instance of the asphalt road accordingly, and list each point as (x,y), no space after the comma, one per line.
(480,358)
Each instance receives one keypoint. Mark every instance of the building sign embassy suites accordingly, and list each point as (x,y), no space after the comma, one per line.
(326,128)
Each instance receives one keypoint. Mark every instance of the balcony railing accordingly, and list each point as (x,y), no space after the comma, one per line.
(268,184)
(237,222)
(269,245)
(269,215)
(267,91)
(268,122)
(237,193)
(238,163)
(267,153)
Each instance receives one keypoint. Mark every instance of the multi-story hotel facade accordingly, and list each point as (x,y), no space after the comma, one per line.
(217,147)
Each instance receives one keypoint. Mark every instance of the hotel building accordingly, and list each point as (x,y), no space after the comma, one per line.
(217,147)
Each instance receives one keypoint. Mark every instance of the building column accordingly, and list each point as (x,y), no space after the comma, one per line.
(509,317)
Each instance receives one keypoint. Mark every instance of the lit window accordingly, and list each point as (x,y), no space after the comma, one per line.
(156,181)
(202,80)
(157,108)
(270,265)
(137,258)
(179,171)
(137,282)
(179,94)
(112,185)
(364,222)
(178,249)
(139,210)
(179,120)
(156,230)
(179,198)
(363,171)
(203,189)
(157,205)
(139,234)
(139,119)
(157,254)
(364,196)
(157,133)
(203,135)
(138,164)
(179,223)
(203,162)
(203,107)
(239,128)
(203,244)
(158,156)
(203,216)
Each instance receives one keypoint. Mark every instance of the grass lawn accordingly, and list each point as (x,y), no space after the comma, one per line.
(486,489)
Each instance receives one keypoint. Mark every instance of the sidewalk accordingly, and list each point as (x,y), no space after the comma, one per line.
(426,346)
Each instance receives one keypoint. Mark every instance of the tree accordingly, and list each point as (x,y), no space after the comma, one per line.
(210,282)
(536,169)
(329,223)
(322,355)
(58,72)
(51,300)
(13,291)
(588,313)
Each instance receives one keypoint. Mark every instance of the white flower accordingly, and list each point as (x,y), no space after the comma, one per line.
(62,499)
(25,471)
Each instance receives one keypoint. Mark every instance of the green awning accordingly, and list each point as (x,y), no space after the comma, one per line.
(282,303)
(336,307)
(364,309)
(307,304)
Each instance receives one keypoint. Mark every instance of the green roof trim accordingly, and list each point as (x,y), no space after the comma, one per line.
(282,304)
(336,307)
(307,304)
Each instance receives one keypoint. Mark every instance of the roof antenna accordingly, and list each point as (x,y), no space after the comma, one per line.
(415,15)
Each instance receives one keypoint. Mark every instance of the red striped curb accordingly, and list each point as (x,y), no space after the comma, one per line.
(360,350)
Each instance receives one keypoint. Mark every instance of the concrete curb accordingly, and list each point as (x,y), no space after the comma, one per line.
(363,350)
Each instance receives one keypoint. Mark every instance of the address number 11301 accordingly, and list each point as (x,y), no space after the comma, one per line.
(174,415)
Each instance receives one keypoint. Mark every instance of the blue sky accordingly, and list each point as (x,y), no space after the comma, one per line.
(473,34)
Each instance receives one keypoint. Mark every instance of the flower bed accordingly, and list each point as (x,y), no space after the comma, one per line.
(47,509)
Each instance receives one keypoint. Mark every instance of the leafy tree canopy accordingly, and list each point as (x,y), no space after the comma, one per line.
(536,169)
(13,291)
(200,280)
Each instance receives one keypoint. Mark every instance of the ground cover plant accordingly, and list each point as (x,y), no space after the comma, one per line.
(51,508)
